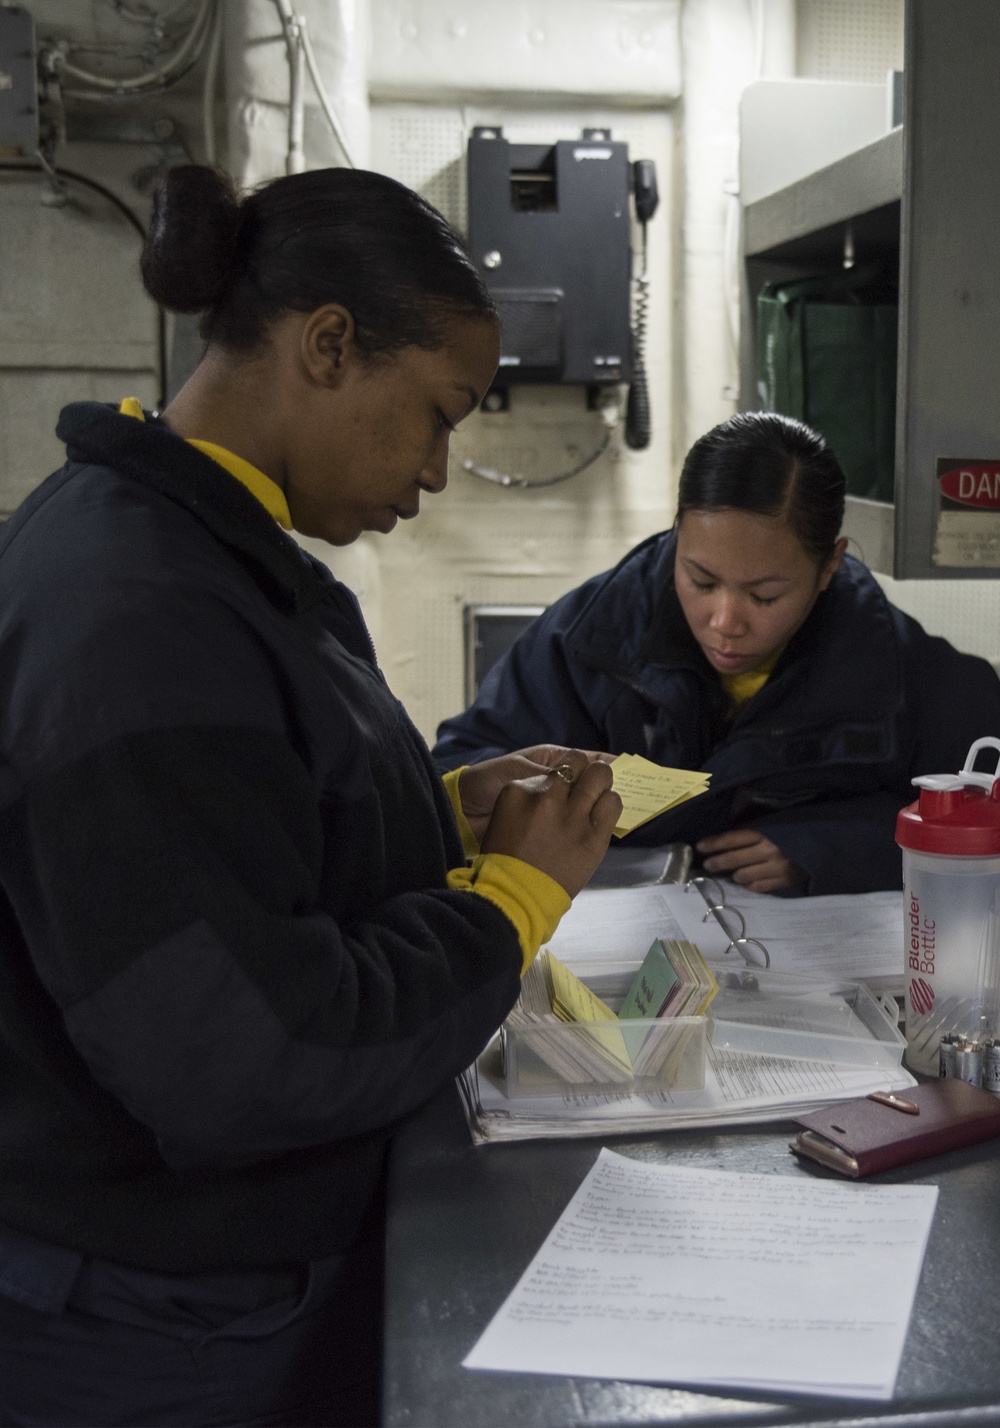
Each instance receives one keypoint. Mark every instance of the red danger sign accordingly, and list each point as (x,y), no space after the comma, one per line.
(971,483)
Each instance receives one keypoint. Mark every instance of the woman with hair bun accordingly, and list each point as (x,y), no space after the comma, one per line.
(241,935)
(745,642)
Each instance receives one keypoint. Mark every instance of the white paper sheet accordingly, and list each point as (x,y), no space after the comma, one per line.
(704,1277)
(618,924)
(740,1086)
(852,935)
(857,936)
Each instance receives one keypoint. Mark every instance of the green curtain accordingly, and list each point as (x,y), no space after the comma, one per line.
(826,353)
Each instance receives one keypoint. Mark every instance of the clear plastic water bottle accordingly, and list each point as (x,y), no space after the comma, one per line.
(951,910)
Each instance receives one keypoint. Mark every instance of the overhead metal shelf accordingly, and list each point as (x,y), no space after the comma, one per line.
(924,197)
(862,183)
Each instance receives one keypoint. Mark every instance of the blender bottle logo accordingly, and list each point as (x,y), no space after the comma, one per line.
(921,996)
(921,958)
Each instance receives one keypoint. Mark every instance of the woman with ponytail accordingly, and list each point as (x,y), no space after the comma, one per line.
(746,643)
(245,928)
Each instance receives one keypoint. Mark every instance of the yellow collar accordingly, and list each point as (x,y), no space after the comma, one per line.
(268,492)
(741,687)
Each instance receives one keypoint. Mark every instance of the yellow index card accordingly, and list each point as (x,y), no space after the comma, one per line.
(647,790)
(572,1001)
(577,1001)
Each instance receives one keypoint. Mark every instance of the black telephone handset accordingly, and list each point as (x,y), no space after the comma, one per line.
(647,195)
(638,417)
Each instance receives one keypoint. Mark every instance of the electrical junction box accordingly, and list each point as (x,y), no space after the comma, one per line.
(549,230)
(490,630)
(18,85)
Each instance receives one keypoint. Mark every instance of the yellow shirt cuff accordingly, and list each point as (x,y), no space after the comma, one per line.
(534,902)
(470,843)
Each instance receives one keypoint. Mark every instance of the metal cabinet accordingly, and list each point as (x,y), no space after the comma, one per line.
(928,197)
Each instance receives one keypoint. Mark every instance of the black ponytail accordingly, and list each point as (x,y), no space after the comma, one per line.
(332,235)
(771,465)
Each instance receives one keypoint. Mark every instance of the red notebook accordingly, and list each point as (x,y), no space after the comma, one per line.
(861,1137)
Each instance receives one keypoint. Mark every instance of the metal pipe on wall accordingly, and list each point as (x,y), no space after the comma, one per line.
(778,39)
(258,87)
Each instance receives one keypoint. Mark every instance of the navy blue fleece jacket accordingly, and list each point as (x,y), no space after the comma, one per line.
(229,959)
(820,760)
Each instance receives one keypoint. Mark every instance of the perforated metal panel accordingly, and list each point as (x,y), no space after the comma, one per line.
(966,612)
(427,149)
(849,39)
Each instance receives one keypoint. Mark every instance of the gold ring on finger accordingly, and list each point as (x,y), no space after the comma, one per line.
(565,772)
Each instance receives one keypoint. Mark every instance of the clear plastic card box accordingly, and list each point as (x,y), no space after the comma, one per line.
(560,1058)
(528,1068)
(757,1012)
(775,1014)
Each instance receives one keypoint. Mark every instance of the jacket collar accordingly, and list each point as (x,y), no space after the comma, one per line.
(149,452)
(612,631)
(633,629)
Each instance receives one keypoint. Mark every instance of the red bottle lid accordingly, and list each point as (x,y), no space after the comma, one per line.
(957,815)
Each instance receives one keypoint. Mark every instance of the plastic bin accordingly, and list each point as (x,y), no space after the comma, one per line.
(673,1050)
(777,1015)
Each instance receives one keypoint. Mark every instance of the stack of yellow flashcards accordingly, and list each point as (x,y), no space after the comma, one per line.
(552,996)
(647,790)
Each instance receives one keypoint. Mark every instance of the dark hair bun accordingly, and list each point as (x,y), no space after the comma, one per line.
(303,241)
(188,259)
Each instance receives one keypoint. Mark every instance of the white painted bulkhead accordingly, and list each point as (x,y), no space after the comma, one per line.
(409,78)
(543,71)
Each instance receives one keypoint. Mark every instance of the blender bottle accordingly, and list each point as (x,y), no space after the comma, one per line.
(951,908)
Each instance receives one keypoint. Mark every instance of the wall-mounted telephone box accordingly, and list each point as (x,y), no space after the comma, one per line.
(549,231)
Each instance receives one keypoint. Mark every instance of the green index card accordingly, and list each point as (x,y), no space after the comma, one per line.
(654,981)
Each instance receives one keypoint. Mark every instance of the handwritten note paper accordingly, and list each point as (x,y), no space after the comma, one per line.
(647,790)
(667,1274)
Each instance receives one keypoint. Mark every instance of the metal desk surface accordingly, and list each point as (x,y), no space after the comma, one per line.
(464,1223)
